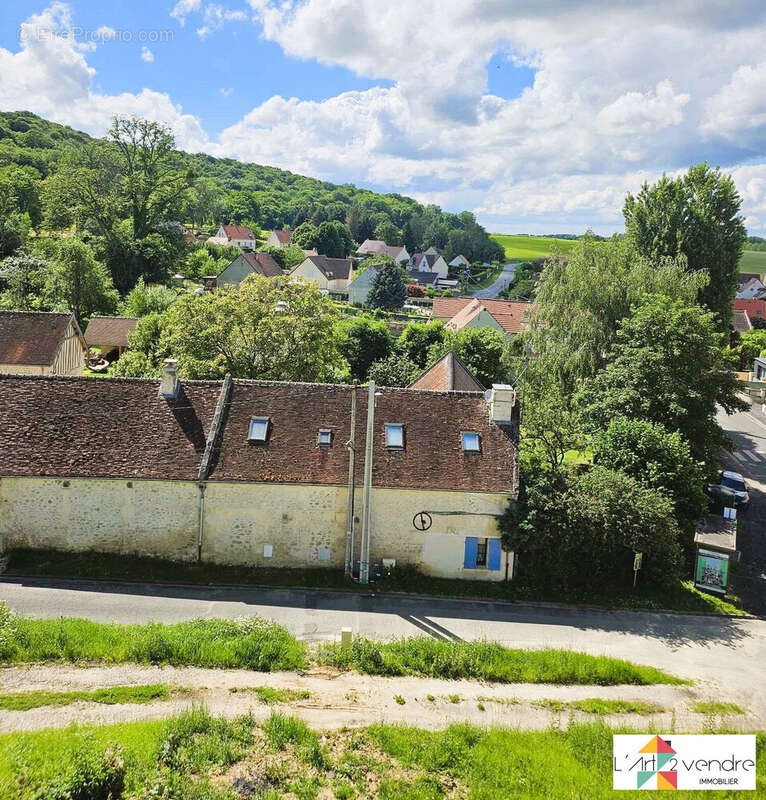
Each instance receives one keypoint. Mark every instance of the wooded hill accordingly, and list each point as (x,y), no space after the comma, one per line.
(266,197)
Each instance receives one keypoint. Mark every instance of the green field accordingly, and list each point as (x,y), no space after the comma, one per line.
(526,248)
(751,261)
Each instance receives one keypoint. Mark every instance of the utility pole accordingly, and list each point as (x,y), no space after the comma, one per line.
(364,564)
(351,445)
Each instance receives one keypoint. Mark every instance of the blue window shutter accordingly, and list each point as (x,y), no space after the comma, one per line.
(493,553)
(471,546)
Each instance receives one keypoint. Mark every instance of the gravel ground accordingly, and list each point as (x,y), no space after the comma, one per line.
(345,699)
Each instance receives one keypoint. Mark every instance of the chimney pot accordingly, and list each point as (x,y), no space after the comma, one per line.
(169,385)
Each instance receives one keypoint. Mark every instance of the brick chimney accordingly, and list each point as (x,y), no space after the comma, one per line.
(169,385)
(502,399)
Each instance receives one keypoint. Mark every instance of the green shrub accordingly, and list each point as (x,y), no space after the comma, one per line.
(8,632)
(281,730)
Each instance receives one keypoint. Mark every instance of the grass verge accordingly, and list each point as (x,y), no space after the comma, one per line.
(271,696)
(108,566)
(717,708)
(249,643)
(595,705)
(489,662)
(195,756)
(23,701)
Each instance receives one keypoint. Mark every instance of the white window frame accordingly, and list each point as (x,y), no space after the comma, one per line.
(390,425)
(463,435)
(324,432)
(266,421)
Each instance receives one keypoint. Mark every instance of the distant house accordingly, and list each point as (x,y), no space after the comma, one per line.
(741,322)
(510,316)
(759,369)
(460,261)
(429,262)
(359,288)
(279,239)
(248,264)
(41,343)
(235,236)
(330,274)
(432,251)
(427,279)
(109,334)
(750,289)
(379,248)
(448,374)
(755,309)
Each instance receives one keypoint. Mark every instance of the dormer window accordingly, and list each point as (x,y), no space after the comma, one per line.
(471,442)
(394,436)
(259,429)
(324,437)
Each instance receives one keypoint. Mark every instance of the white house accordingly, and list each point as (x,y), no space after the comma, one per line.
(460,261)
(330,274)
(377,247)
(750,289)
(40,343)
(429,262)
(256,472)
(235,236)
(279,238)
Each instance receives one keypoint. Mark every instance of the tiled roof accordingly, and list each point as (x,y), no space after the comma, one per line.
(466,314)
(378,247)
(120,428)
(284,237)
(102,427)
(448,374)
(31,337)
(511,314)
(753,308)
(109,331)
(431,258)
(237,232)
(426,278)
(263,264)
(333,268)
(741,322)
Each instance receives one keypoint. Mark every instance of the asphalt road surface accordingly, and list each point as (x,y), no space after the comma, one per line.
(747,431)
(502,280)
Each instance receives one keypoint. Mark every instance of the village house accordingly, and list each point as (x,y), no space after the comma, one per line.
(41,343)
(248,264)
(429,262)
(755,309)
(257,472)
(234,236)
(741,322)
(751,289)
(448,374)
(508,316)
(460,261)
(279,238)
(377,247)
(109,335)
(331,275)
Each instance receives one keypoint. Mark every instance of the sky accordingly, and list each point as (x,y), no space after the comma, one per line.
(538,115)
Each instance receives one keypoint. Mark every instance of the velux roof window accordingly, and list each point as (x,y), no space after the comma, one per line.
(471,443)
(259,429)
(324,437)
(394,436)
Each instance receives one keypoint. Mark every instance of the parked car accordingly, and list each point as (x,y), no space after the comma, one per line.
(730,491)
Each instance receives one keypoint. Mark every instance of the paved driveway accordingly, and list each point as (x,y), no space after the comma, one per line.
(748,433)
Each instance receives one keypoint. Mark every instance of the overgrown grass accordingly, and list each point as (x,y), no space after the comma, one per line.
(487,661)
(271,696)
(681,596)
(23,701)
(248,642)
(712,707)
(596,705)
(186,758)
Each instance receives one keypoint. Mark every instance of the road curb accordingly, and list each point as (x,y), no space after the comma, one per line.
(427,597)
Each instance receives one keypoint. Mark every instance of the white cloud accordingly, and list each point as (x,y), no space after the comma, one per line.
(147,55)
(183,8)
(227,92)
(216,16)
(738,110)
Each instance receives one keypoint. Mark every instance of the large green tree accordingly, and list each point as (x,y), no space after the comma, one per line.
(22,280)
(363,340)
(417,338)
(482,350)
(666,366)
(268,328)
(698,216)
(388,289)
(396,370)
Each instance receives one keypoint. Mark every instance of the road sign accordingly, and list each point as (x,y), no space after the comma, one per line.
(422,521)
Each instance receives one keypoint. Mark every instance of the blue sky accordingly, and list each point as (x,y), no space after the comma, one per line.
(540,117)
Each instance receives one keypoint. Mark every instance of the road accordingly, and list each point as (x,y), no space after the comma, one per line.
(502,280)
(728,653)
(748,434)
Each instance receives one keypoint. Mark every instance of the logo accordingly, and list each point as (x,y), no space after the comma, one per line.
(670,762)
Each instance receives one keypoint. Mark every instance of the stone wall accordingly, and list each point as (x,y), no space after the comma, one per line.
(276,525)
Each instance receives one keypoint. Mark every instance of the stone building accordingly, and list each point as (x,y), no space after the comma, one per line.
(256,472)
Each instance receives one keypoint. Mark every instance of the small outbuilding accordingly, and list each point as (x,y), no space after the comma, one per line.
(41,343)
(109,335)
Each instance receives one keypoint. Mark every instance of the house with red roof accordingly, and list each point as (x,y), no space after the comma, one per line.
(41,343)
(234,236)
(509,316)
(279,238)
(257,472)
(755,309)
